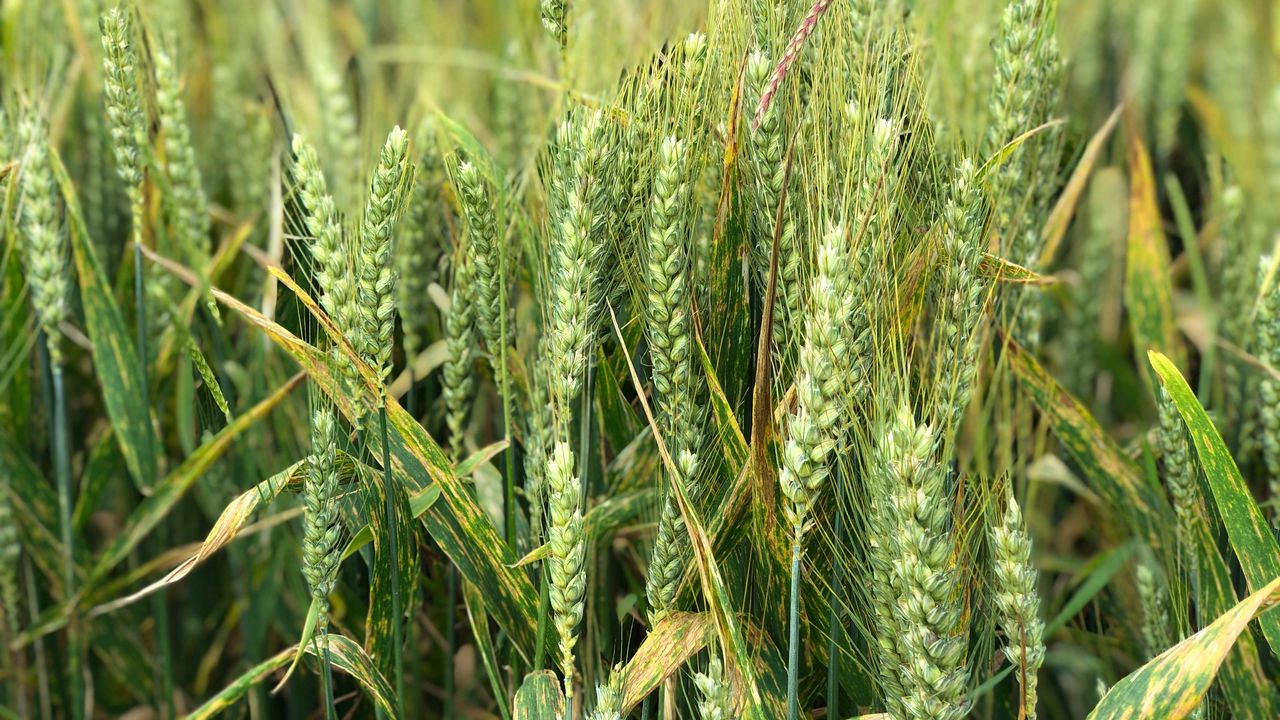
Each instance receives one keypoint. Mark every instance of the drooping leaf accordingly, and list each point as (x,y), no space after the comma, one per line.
(1055,228)
(668,646)
(148,514)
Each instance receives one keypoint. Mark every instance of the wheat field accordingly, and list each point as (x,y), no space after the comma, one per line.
(606,359)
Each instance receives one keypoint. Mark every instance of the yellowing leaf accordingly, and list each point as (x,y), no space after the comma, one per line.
(1148,289)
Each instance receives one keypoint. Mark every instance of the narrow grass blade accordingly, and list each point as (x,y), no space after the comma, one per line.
(114,357)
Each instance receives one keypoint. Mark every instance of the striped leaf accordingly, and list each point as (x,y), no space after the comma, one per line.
(668,646)
(1117,479)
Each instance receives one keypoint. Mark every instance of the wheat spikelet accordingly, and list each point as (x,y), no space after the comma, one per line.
(459,331)
(669,348)
(963,296)
(478,201)
(1180,471)
(125,115)
(10,551)
(422,240)
(578,220)
(189,203)
(555,18)
(321,527)
(1267,347)
(716,691)
(821,383)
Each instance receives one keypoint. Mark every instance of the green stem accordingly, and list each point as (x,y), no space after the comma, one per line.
(397,633)
(451,637)
(793,652)
(42,670)
(544,610)
(62,469)
(326,675)
(833,618)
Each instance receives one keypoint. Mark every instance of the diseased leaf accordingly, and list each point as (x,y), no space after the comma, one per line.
(233,518)
(115,358)
(668,646)
(1055,228)
(1174,683)
(148,514)
(1117,479)
(539,697)
(1251,538)
(1109,472)
(1148,289)
(1011,273)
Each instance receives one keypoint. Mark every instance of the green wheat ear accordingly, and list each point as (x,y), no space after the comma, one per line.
(568,548)
(390,188)
(1017,599)
(321,527)
(478,202)
(45,243)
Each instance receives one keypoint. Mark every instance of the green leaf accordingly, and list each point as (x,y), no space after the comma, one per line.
(115,359)
(539,697)
(231,694)
(1174,683)
(477,614)
(1251,538)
